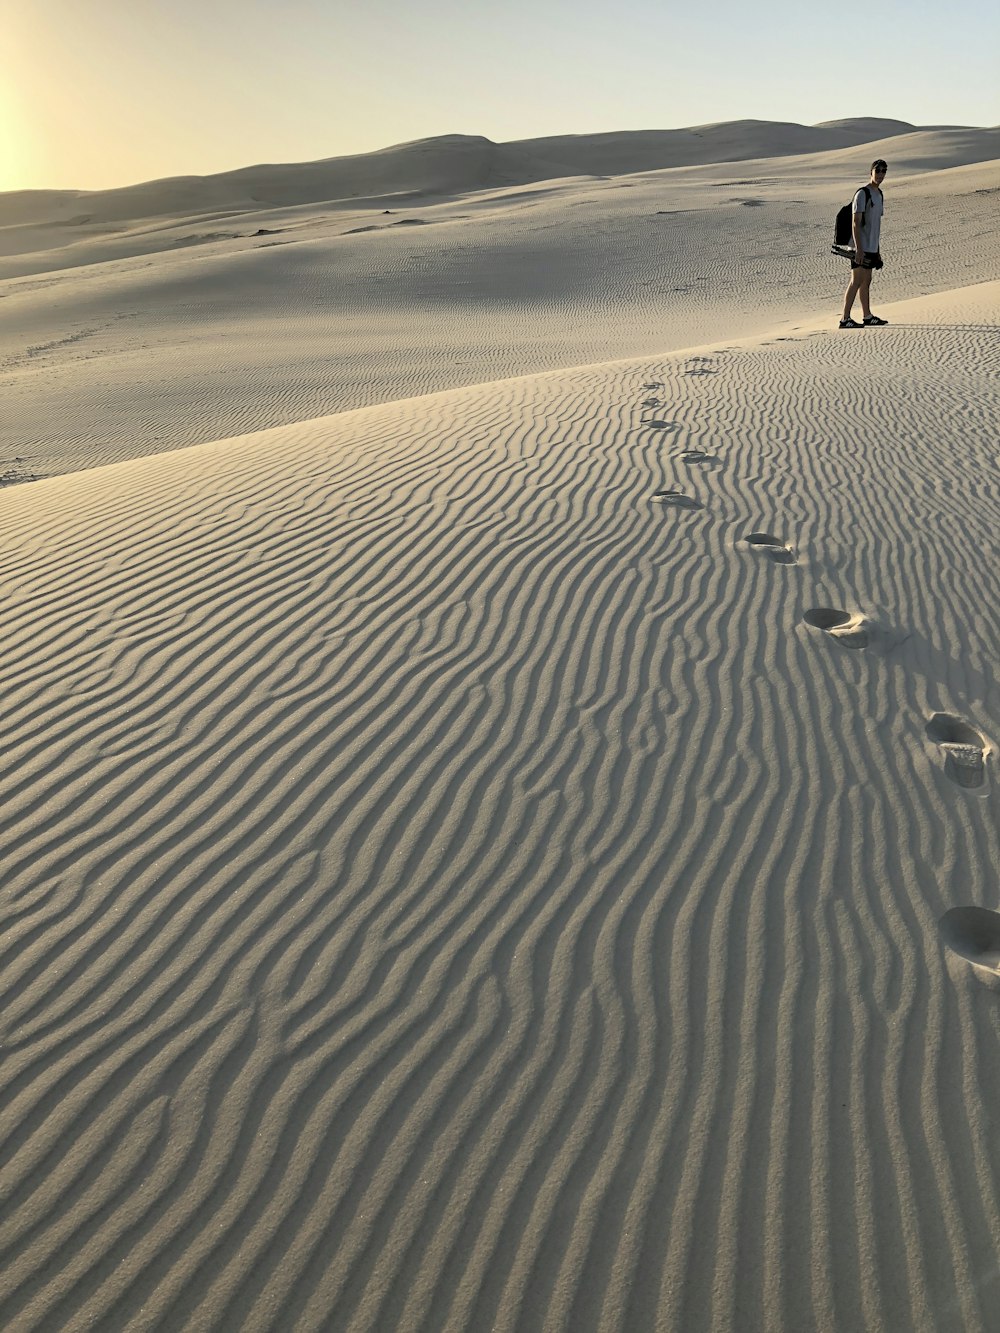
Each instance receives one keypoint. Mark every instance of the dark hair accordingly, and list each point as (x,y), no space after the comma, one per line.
(879,162)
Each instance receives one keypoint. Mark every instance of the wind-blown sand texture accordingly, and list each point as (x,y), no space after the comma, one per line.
(475,861)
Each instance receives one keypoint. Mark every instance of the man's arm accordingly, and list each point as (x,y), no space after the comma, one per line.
(856,232)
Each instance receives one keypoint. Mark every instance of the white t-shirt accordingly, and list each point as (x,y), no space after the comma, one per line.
(872,225)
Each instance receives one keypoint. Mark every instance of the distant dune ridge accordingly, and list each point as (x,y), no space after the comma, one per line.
(499,778)
(459,163)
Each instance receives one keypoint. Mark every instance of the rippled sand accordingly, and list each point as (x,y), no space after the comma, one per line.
(475,861)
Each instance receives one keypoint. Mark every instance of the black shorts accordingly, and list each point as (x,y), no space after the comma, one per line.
(869,261)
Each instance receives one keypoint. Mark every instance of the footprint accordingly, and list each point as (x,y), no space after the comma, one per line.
(655,384)
(696,456)
(848,630)
(663,425)
(974,934)
(651,402)
(678,499)
(964,749)
(774,546)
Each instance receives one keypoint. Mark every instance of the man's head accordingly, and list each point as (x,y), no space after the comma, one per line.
(879,169)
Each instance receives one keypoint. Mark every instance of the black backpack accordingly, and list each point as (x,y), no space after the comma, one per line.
(843,228)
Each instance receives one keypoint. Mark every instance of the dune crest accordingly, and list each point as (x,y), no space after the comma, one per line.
(457,164)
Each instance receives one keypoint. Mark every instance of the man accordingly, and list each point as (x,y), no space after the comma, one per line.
(866,225)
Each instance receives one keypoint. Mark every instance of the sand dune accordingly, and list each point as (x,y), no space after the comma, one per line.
(446,165)
(450,886)
(727,141)
(178,332)
(458,163)
(500,736)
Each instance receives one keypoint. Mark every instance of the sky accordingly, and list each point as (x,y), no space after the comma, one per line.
(100,93)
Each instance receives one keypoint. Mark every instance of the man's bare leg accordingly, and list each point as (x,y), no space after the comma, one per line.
(864,291)
(852,290)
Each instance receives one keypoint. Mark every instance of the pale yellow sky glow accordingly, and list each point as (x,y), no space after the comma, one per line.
(18,151)
(111,92)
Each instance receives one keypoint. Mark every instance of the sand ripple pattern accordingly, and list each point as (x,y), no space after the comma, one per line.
(444,888)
